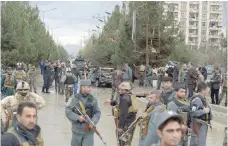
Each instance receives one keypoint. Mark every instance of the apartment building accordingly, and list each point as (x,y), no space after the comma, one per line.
(200,21)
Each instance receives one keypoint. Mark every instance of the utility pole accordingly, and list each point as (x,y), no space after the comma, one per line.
(147,49)
(226,31)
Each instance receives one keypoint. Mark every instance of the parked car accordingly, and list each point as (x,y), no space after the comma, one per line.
(103,77)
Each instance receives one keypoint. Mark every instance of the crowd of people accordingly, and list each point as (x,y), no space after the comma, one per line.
(179,114)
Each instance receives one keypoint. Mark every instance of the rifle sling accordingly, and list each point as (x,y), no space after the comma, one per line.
(82,108)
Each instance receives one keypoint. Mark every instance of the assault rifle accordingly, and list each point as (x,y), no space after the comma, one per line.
(89,123)
(133,124)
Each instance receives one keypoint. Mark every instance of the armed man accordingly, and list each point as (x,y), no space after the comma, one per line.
(69,80)
(82,133)
(201,116)
(180,105)
(25,131)
(32,78)
(168,92)
(148,130)
(19,73)
(125,112)
(10,103)
(8,83)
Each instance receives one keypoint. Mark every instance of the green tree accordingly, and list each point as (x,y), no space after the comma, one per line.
(24,37)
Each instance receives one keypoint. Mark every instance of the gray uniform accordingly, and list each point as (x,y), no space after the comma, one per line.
(181,107)
(197,112)
(167,95)
(152,136)
(79,136)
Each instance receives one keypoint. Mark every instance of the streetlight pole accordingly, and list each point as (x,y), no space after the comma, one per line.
(47,11)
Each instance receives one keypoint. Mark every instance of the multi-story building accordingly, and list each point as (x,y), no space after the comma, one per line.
(200,21)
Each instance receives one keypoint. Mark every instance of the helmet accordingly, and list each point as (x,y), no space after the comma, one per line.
(68,69)
(22,86)
(19,64)
(125,86)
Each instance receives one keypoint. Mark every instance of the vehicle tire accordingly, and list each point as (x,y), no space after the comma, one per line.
(97,83)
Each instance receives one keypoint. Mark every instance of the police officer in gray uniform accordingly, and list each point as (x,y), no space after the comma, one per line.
(88,104)
(200,116)
(180,105)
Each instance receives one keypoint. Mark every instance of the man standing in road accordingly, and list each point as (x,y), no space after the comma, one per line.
(46,77)
(125,112)
(89,106)
(32,78)
(127,76)
(169,128)
(215,86)
(200,116)
(25,132)
(148,130)
(78,76)
(192,77)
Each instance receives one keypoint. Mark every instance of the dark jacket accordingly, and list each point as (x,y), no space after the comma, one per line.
(124,104)
(192,76)
(9,139)
(215,81)
(167,95)
(76,72)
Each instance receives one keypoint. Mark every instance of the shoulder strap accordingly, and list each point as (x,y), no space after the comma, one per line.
(16,135)
(82,107)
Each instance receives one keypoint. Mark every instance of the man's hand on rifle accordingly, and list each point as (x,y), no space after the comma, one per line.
(81,119)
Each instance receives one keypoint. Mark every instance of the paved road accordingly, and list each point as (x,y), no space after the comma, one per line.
(56,129)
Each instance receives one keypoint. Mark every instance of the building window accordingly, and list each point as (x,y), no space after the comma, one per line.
(203,24)
(203,32)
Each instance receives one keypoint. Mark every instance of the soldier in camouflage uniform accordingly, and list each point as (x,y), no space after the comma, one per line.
(69,81)
(32,78)
(10,103)
(124,113)
(8,83)
(19,73)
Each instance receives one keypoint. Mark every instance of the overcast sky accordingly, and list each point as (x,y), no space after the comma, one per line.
(74,18)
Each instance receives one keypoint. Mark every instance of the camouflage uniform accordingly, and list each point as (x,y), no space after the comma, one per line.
(8,84)
(19,73)
(9,104)
(69,80)
(32,78)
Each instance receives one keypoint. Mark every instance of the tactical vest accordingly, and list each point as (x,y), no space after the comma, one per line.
(24,142)
(20,75)
(9,82)
(69,79)
(132,109)
(204,117)
(144,124)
